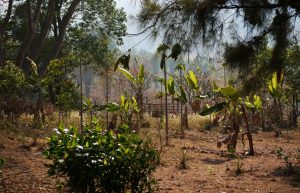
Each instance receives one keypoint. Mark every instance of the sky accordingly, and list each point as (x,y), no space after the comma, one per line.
(131,7)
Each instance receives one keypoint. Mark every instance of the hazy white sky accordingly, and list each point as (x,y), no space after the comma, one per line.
(131,8)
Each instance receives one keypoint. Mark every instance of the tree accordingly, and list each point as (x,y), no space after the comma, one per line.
(292,72)
(12,81)
(203,22)
(48,24)
(59,77)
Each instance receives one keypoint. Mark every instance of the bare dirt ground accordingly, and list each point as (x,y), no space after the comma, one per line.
(209,168)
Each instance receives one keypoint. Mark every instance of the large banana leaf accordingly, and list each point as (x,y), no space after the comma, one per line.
(110,107)
(180,67)
(216,108)
(126,74)
(257,102)
(229,92)
(171,86)
(192,80)
(181,95)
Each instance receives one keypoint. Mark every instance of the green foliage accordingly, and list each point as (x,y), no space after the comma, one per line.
(102,161)
(235,106)
(292,70)
(176,51)
(163,48)
(239,55)
(84,23)
(67,96)
(109,107)
(274,84)
(180,67)
(124,60)
(12,80)
(255,105)
(192,80)
(204,20)
(229,92)
(127,108)
(60,81)
(216,108)
(126,74)
(141,74)
(181,95)
(171,86)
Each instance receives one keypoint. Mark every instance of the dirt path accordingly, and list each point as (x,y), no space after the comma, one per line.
(209,170)
(24,169)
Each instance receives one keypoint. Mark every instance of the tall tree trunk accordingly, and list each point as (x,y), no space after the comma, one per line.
(39,43)
(62,28)
(161,101)
(81,99)
(181,112)
(32,21)
(3,25)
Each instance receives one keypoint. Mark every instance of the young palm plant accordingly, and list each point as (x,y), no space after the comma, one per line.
(175,52)
(237,108)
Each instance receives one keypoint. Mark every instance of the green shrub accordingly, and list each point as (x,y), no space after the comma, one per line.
(12,80)
(102,161)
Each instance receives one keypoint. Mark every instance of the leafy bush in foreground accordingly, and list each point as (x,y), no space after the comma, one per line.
(102,161)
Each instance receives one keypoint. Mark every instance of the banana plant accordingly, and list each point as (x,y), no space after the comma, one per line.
(178,91)
(138,84)
(237,107)
(126,109)
(163,49)
(275,89)
(36,83)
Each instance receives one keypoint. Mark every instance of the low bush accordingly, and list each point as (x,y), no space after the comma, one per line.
(98,160)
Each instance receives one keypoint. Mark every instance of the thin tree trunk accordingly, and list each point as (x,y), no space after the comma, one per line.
(161,101)
(181,112)
(106,80)
(166,109)
(81,98)
(249,136)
